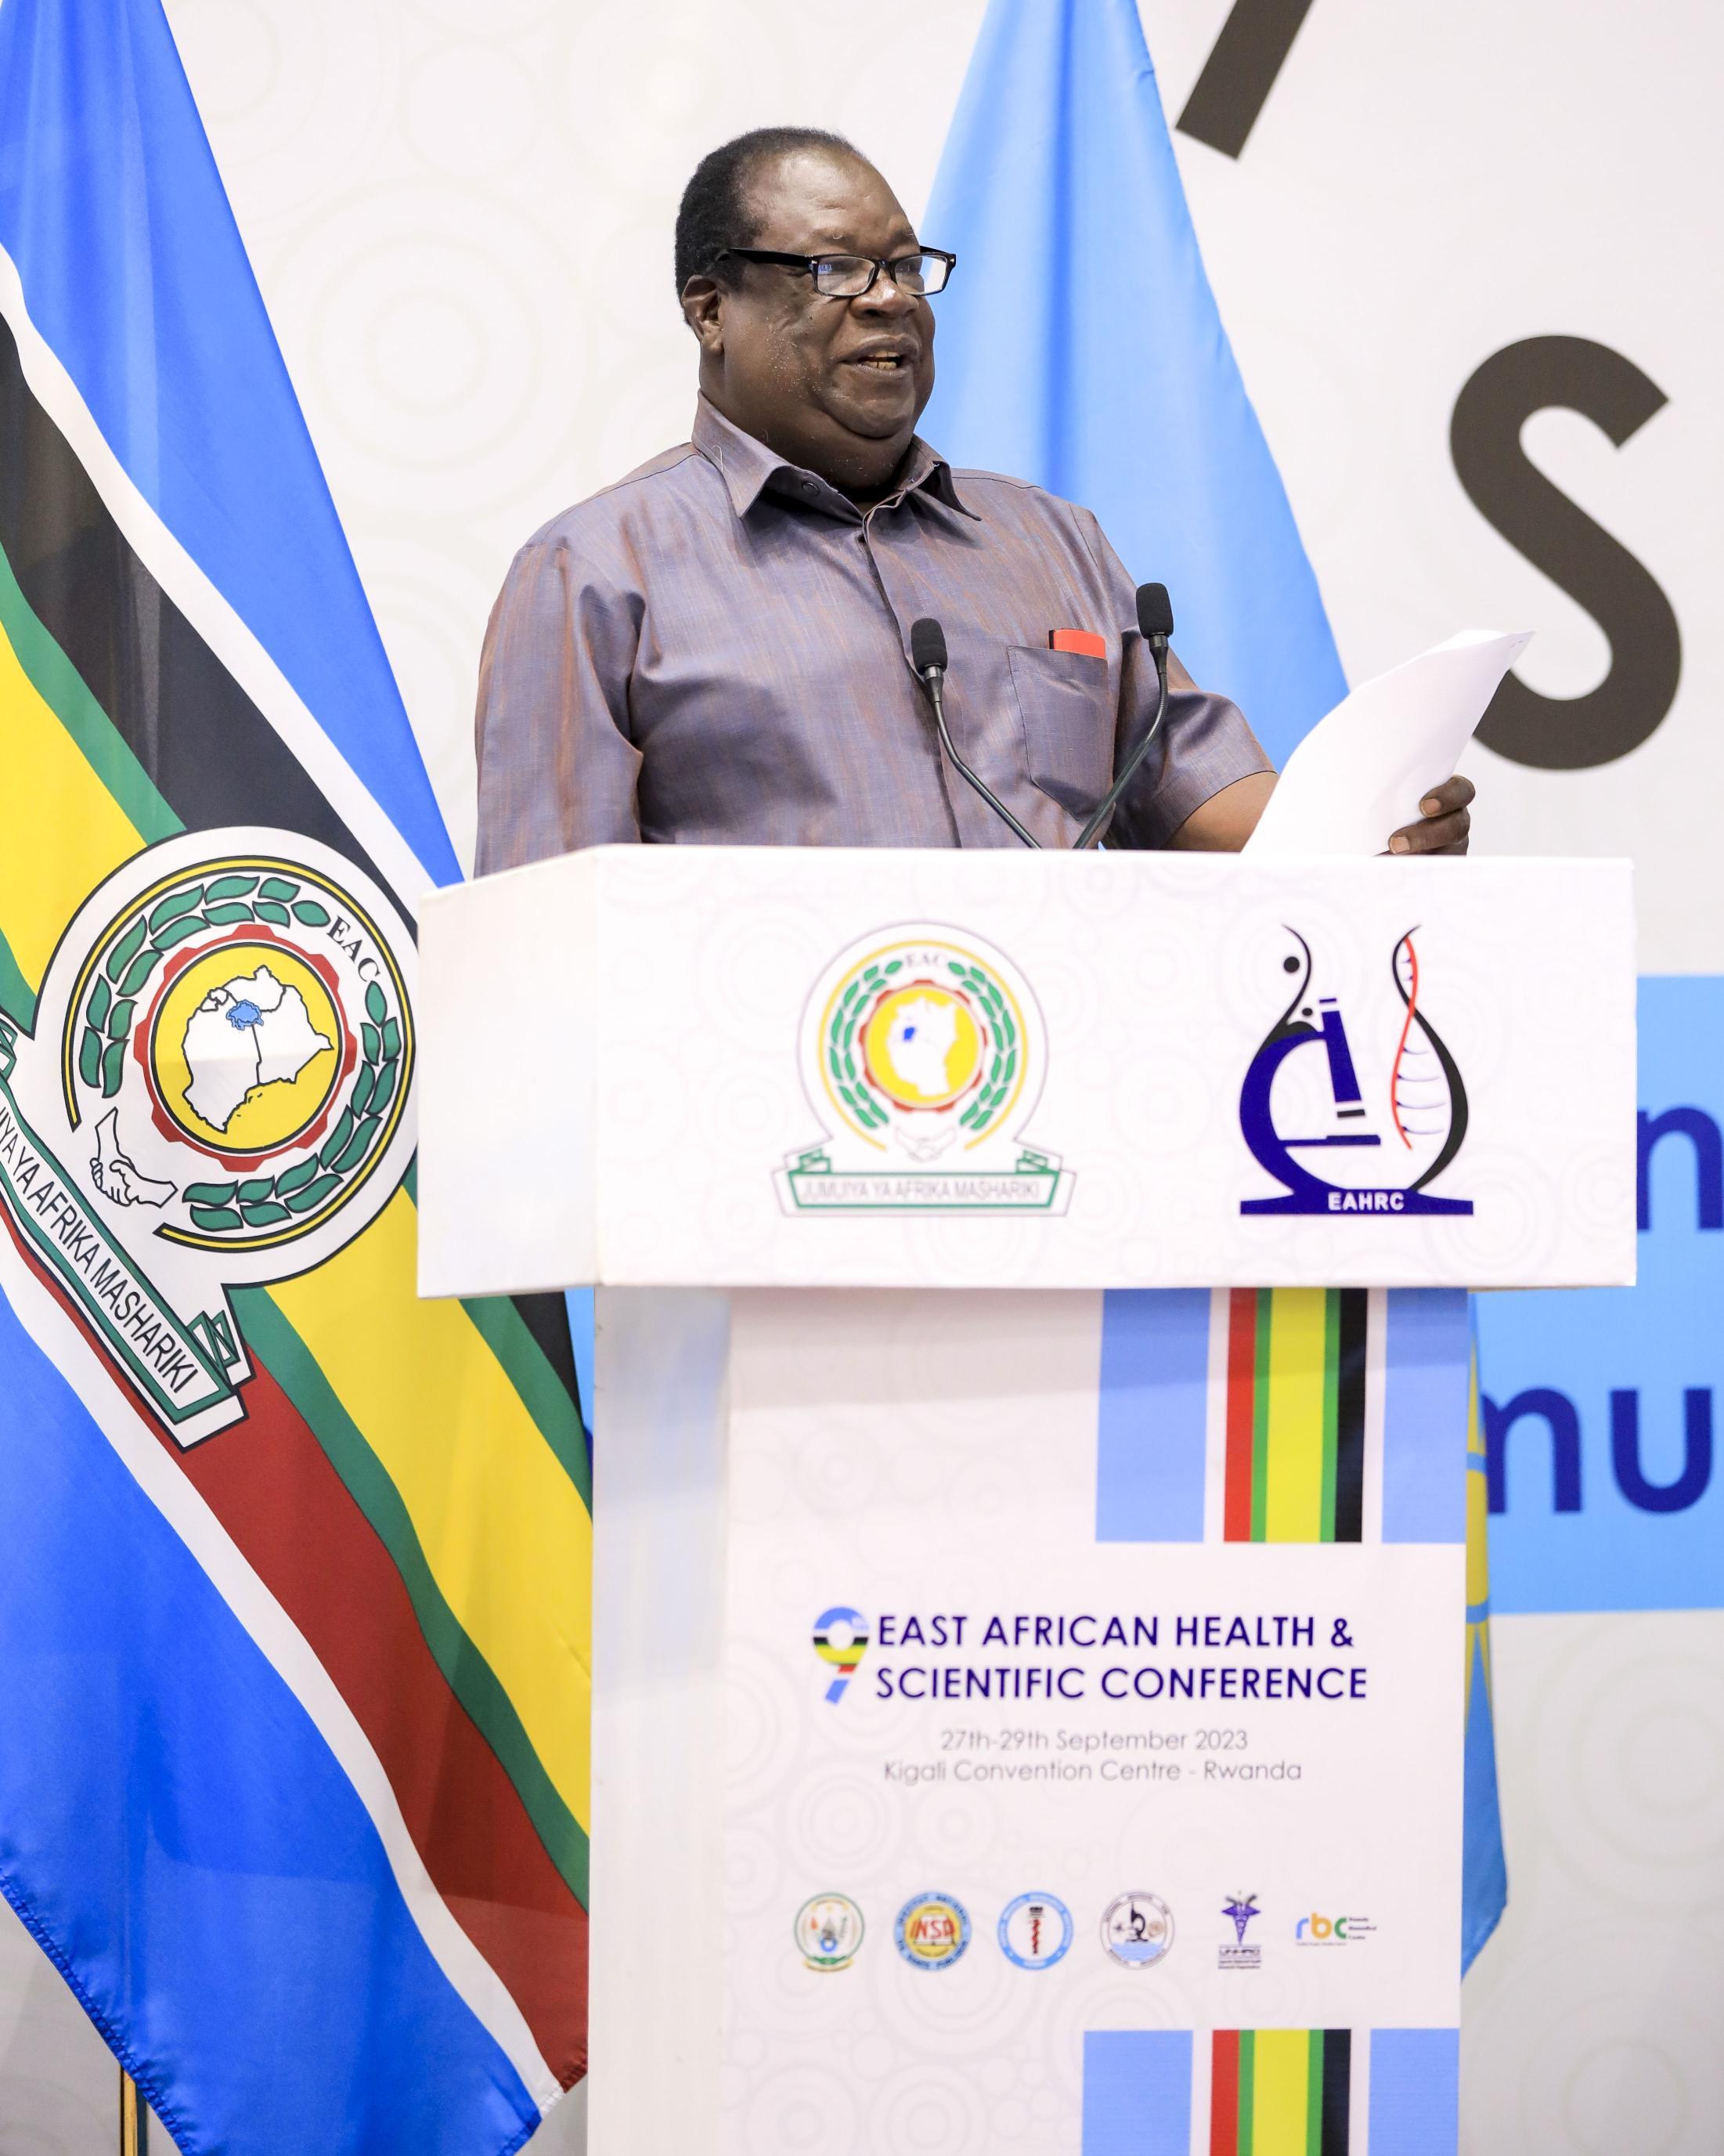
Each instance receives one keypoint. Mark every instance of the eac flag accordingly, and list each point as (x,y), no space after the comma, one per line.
(1080,347)
(294,1614)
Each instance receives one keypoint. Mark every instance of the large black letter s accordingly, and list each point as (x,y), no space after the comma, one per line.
(1554,733)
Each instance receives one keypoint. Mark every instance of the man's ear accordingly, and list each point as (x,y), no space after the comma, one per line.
(703,300)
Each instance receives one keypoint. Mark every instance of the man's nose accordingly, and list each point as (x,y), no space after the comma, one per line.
(884,297)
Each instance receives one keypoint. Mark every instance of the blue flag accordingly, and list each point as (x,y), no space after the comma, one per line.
(1080,345)
(293,1784)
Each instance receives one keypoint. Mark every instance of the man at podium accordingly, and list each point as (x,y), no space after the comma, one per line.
(717,648)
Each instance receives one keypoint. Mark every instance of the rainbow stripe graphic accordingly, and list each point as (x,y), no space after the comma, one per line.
(1295,1414)
(1308,1415)
(1280,2092)
(1282,1416)
(1271,2092)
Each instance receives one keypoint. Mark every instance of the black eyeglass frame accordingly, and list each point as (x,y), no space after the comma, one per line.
(811,265)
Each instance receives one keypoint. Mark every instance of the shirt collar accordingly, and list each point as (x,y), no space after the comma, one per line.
(748,467)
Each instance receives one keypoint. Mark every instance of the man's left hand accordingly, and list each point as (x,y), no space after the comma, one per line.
(1444,824)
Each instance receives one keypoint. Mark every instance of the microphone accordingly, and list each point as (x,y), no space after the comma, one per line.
(1154,624)
(927,655)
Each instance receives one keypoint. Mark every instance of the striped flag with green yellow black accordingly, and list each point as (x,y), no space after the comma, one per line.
(1281,2090)
(1271,2092)
(295,1636)
(1310,1415)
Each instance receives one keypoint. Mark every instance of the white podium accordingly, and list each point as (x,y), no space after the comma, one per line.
(1030,1485)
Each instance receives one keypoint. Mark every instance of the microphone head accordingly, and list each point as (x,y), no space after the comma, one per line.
(927,644)
(1155,611)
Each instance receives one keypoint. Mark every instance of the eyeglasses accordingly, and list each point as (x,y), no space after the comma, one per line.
(849,276)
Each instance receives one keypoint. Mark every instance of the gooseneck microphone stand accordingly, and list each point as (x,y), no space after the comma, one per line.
(1155,624)
(927,655)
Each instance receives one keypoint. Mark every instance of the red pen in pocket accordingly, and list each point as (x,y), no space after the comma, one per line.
(1078,639)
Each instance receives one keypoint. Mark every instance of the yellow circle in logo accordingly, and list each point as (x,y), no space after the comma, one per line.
(923,1046)
(932,1931)
(247,1047)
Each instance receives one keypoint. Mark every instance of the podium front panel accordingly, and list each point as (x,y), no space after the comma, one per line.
(718,1066)
(1028,1722)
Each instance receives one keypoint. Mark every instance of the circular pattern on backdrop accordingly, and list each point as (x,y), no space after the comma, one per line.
(837,1821)
(296,101)
(804,2111)
(1594,2112)
(938,2111)
(471,110)
(753,1871)
(236,48)
(1643,1768)
(430,344)
(503,19)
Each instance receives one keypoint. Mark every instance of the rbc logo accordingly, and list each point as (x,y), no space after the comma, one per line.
(1315,1931)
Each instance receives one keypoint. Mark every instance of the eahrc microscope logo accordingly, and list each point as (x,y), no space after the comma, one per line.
(1309,1121)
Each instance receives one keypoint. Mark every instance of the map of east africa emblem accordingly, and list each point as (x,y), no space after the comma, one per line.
(216,1094)
(923,1055)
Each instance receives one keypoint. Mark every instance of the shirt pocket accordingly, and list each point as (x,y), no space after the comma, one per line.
(1065,715)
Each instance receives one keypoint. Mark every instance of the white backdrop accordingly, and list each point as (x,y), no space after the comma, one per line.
(460,216)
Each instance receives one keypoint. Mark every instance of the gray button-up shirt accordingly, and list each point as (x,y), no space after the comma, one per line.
(716,650)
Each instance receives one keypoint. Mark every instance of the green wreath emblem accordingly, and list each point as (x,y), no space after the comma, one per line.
(849,1072)
(104,1022)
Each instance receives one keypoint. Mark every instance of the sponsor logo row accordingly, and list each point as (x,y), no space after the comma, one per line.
(932,1931)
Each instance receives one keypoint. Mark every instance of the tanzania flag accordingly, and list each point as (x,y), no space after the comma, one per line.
(294,1618)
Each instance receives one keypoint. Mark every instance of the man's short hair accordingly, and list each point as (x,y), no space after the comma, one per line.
(713,213)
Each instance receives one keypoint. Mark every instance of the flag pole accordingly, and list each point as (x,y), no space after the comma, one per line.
(134,2119)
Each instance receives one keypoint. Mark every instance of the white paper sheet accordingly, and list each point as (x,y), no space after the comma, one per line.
(1361,772)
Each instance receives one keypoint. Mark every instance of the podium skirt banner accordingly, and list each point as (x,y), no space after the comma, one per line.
(1029,1721)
